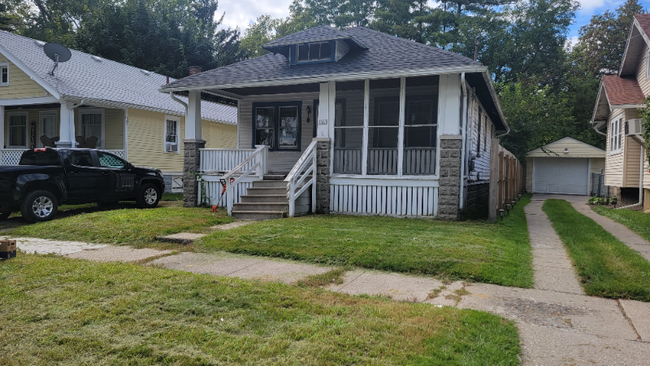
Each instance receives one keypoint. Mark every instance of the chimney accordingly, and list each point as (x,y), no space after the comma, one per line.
(195,70)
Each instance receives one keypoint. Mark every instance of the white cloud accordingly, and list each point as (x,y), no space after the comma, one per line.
(240,13)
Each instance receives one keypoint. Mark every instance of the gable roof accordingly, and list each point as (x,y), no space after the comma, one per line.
(385,54)
(576,149)
(100,81)
(638,37)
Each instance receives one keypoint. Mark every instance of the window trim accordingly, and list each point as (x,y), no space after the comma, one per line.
(615,136)
(293,53)
(178,131)
(4,65)
(100,111)
(17,113)
(276,123)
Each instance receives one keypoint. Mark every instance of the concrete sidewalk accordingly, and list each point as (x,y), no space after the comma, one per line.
(558,324)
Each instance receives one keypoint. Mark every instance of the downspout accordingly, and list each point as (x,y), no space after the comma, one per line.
(175,98)
(640,183)
(463,121)
(596,128)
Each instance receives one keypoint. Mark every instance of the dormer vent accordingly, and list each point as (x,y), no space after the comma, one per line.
(97,58)
(39,43)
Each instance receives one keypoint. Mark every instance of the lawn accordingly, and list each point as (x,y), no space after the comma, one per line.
(123,225)
(606,267)
(470,250)
(64,311)
(637,221)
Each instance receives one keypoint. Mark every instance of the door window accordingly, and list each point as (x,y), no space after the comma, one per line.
(288,129)
(264,126)
(277,125)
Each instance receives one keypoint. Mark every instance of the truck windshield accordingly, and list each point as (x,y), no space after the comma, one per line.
(40,157)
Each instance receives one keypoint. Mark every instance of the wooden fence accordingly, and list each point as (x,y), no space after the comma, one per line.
(506,179)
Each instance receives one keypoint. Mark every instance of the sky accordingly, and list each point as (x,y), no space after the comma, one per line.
(240,13)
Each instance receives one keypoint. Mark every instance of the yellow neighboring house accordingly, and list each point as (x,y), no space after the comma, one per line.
(95,102)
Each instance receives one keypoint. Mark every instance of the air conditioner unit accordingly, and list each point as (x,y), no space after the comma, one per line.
(634,127)
(171,147)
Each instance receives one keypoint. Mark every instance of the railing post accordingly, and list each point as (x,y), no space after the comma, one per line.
(313,180)
(229,197)
(292,199)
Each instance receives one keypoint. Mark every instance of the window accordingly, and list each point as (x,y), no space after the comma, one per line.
(4,74)
(420,135)
(485,133)
(480,120)
(107,160)
(171,135)
(277,125)
(92,128)
(81,158)
(314,52)
(48,130)
(18,129)
(615,136)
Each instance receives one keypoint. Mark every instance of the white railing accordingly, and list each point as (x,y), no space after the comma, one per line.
(11,156)
(256,162)
(223,160)
(297,182)
(417,160)
(403,198)
(347,160)
(382,160)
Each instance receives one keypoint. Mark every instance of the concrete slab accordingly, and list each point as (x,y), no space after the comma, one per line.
(580,313)
(45,246)
(231,225)
(279,271)
(552,346)
(393,285)
(214,264)
(180,238)
(639,314)
(118,254)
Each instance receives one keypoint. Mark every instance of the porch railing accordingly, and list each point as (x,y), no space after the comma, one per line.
(255,163)
(11,156)
(223,160)
(417,160)
(297,182)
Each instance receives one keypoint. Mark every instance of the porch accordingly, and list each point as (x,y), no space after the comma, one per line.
(29,126)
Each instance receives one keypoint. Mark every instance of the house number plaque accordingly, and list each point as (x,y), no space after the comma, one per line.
(322,121)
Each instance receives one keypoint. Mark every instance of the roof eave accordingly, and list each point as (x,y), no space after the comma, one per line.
(334,77)
(19,64)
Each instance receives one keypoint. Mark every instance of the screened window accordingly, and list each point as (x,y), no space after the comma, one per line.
(18,129)
(348,139)
(92,122)
(171,135)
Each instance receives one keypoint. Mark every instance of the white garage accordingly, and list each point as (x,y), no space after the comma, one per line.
(563,167)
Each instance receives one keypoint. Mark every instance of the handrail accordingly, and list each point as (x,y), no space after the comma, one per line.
(298,175)
(260,167)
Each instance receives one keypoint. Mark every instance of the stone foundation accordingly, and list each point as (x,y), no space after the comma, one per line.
(450,184)
(191,165)
(476,193)
(323,161)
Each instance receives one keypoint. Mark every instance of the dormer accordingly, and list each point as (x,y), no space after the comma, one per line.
(317,45)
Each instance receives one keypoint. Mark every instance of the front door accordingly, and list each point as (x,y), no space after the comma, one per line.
(277,125)
(48,130)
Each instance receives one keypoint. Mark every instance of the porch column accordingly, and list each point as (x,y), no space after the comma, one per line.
(326,109)
(192,143)
(2,129)
(66,126)
(450,184)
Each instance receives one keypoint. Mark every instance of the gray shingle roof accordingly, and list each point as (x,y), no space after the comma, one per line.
(105,82)
(384,53)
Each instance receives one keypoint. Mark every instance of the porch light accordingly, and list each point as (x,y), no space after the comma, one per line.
(566,150)
(308,113)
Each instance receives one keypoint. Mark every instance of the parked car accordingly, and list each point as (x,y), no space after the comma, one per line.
(47,178)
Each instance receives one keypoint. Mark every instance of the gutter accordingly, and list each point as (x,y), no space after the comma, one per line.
(597,126)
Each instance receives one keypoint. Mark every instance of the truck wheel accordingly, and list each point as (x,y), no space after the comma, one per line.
(4,215)
(39,206)
(149,196)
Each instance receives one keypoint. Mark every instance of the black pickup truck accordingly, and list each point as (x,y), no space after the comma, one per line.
(47,178)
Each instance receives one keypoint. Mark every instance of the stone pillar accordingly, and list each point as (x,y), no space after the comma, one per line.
(191,165)
(323,161)
(450,184)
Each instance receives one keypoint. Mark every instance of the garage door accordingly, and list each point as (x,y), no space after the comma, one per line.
(563,176)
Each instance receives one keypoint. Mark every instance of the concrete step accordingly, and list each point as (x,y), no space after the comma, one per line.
(274,177)
(270,184)
(272,198)
(257,215)
(262,207)
(254,191)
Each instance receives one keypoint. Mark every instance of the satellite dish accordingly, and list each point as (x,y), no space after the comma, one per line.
(56,52)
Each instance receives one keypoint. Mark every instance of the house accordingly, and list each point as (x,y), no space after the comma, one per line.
(95,102)
(564,166)
(388,126)
(616,116)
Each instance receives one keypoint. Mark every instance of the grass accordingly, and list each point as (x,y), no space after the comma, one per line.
(636,221)
(334,276)
(59,311)
(124,225)
(471,250)
(607,267)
